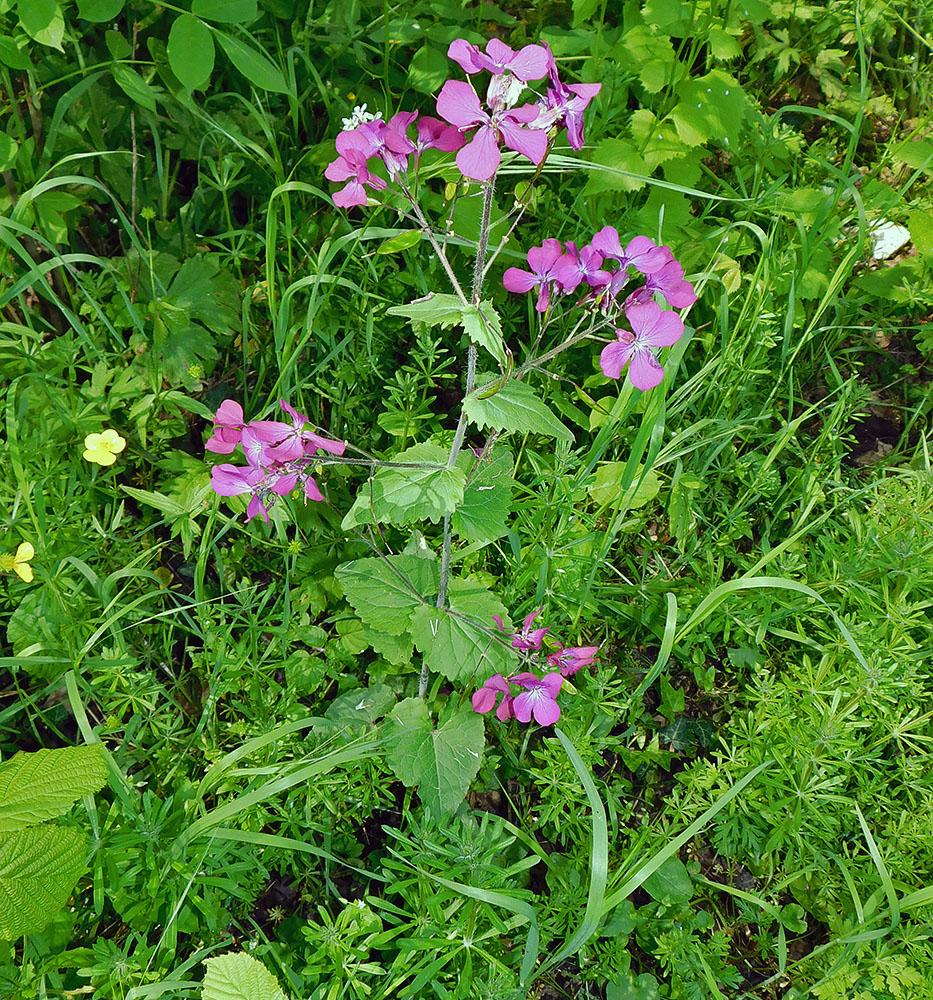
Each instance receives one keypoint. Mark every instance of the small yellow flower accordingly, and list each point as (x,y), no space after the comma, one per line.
(19,563)
(103,448)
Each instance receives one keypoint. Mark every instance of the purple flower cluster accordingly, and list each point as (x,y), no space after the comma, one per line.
(527,129)
(606,270)
(279,456)
(538,695)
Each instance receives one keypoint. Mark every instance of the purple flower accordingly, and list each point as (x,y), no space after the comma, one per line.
(529,63)
(396,147)
(233,480)
(669,281)
(459,104)
(564,106)
(651,328)
(641,253)
(572,659)
(486,696)
(297,442)
(581,265)
(543,262)
(228,423)
(355,149)
(528,638)
(538,699)
(435,134)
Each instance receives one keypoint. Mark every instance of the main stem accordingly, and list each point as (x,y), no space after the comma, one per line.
(476,292)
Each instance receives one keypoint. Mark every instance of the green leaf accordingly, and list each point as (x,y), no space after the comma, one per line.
(404,241)
(583,10)
(134,86)
(483,327)
(190,51)
(9,149)
(712,107)
(207,292)
(428,69)
(723,45)
(253,65)
(606,487)
(229,11)
(623,159)
(921,231)
(38,786)
(516,408)
(649,56)
(487,499)
(401,496)
(39,866)
(670,884)
(440,762)
(434,310)
(386,592)
(658,140)
(628,987)
(12,56)
(461,642)
(361,706)
(669,16)
(916,154)
(37,16)
(238,976)
(99,10)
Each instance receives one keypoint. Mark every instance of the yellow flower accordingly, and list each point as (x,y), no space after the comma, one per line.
(103,448)
(19,563)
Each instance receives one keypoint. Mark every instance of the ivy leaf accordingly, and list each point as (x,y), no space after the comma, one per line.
(386,592)
(38,786)
(190,51)
(208,293)
(238,976)
(487,499)
(402,496)
(647,55)
(453,645)
(39,866)
(516,408)
(440,762)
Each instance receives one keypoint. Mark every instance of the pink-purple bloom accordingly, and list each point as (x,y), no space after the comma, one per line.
(581,265)
(641,253)
(569,661)
(355,149)
(539,699)
(670,282)
(543,261)
(528,638)
(484,699)
(651,328)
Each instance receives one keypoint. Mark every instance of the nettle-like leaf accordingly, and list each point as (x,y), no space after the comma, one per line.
(516,408)
(38,786)
(461,642)
(487,499)
(386,592)
(238,976)
(405,495)
(39,867)
(440,762)
(481,323)
(712,107)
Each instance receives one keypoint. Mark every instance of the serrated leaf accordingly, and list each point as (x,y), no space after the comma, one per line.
(434,310)
(583,10)
(229,11)
(487,499)
(516,408)
(361,706)
(483,327)
(238,976)
(460,643)
(386,592)
(39,866)
(38,786)
(712,107)
(134,86)
(626,167)
(649,56)
(253,65)
(440,762)
(921,231)
(190,51)
(658,141)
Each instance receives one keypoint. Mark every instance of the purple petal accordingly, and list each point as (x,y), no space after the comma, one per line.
(497,56)
(458,104)
(522,706)
(311,490)
(606,241)
(353,195)
(232,480)
(256,506)
(526,680)
(645,371)
(544,297)
(543,258)
(465,55)
(229,414)
(613,358)
(517,280)
(546,710)
(529,63)
(479,160)
(505,711)
(483,700)
(646,255)
(551,683)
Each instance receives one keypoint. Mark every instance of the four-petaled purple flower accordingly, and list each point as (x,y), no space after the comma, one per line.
(486,696)
(543,261)
(528,638)
(641,253)
(569,661)
(355,149)
(581,265)
(651,328)
(539,699)
(669,281)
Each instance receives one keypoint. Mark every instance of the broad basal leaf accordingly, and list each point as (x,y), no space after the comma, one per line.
(238,976)
(440,762)
(712,107)
(386,592)
(403,496)
(38,786)
(487,498)
(39,866)
(462,643)
(515,407)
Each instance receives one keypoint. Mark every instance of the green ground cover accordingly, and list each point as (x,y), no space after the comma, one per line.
(251,768)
